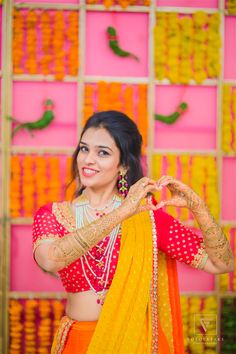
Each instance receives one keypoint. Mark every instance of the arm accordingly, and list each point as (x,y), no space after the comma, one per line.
(63,251)
(221,258)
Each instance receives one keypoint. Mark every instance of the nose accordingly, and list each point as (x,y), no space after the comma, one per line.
(90,158)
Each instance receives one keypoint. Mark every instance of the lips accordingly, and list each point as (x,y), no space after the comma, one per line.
(88,172)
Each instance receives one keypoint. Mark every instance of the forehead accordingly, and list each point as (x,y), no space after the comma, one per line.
(98,136)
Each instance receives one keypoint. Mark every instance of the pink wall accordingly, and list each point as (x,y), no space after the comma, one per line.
(196,128)
(28,101)
(230,48)
(25,274)
(132,30)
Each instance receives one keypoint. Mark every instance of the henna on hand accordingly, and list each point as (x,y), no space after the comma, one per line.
(216,243)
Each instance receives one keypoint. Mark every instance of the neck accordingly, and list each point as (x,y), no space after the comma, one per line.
(99,197)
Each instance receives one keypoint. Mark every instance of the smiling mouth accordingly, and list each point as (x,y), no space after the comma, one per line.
(88,172)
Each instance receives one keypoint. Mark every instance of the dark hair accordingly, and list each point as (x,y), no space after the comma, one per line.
(127,138)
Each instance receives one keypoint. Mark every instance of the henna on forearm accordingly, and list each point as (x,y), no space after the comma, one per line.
(73,245)
(216,243)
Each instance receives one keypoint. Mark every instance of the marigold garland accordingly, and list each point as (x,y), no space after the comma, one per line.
(46,30)
(33,324)
(31,42)
(54,184)
(130,99)
(37,180)
(231,6)
(229,119)
(199,172)
(17,42)
(186,47)
(73,39)
(15,187)
(16,327)
(123,3)
(184,162)
(28,186)
(50,45)
(193,309)
(30,327)
(224,279)
(69,186)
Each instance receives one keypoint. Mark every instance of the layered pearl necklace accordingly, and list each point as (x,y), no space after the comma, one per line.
(84,214)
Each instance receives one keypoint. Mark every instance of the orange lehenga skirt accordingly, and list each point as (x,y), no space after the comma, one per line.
(80,334)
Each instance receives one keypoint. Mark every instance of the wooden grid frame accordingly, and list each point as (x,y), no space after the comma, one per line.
(5,143)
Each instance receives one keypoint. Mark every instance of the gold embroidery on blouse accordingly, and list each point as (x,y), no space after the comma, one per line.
(63,214)
(200,257)
(44,239)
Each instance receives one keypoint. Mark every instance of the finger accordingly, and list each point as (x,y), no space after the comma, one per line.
(164,180)
(146,207)
(143,182)
(163,203)
(148,189)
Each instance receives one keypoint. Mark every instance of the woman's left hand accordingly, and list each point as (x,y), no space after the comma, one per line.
(181,195)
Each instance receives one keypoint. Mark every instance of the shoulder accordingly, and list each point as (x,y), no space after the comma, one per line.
(44,209)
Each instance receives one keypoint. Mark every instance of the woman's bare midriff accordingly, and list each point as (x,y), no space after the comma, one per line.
(83,306)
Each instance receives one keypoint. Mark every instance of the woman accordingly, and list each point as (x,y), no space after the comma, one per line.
(114,236)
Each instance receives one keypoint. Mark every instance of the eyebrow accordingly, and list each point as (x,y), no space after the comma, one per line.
(98,146)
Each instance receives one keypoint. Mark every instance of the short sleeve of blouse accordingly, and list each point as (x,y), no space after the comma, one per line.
(179,242)
(45,226)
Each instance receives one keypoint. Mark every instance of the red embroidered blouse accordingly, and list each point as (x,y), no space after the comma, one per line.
(56,220)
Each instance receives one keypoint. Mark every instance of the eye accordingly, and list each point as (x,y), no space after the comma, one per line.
(103,153)
(83,148)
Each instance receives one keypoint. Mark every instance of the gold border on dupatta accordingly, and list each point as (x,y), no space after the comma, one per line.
(154,303)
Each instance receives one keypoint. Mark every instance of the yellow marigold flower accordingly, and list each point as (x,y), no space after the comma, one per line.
(200,18)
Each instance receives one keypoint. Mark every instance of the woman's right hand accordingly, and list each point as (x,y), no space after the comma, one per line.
(138,191)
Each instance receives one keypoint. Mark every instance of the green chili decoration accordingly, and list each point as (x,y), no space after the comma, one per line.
(41,123)
(170,119)
(114,45)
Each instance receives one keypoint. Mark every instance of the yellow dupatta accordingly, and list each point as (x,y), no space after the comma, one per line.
(131,314)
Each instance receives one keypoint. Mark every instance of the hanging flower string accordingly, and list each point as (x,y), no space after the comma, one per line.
(28,186)
(16,326)
(46,30)
(54,184)
(15,187)
(196,171)
(33,324)
(187,47)
(123,3)
(69,186)
(41,181)
(229,119)
(227,281)
(73,39)
(45,42)
(17,42)
(38,180)
(231,7)
(193,309)
(130,99)
(31,42)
